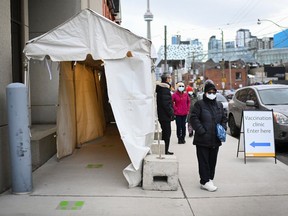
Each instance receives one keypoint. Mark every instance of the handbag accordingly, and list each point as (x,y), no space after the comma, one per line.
(221,133)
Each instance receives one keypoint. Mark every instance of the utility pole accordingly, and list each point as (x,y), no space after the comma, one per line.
(230,77)
(165,49)
(223,81)
(192,67)
(193,63)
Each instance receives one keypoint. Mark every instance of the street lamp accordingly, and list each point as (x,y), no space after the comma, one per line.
(282,27)
(260,20)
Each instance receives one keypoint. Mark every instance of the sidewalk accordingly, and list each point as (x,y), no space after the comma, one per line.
(91,182)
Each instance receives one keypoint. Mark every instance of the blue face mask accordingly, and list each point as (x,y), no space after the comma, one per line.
(211,96)
(181,89)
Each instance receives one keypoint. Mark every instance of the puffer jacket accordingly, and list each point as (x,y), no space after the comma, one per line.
(204,117)
(181,103)
(164,102)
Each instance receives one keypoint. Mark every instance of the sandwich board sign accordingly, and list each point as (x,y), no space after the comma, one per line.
(257,134)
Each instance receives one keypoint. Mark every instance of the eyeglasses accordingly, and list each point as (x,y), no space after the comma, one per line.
(211,92)
(181,86)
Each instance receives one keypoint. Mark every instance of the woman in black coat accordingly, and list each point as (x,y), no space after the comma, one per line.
(165,109)
(204,117)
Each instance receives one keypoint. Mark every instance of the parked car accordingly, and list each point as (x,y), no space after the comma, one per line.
(261,97)
(219,97)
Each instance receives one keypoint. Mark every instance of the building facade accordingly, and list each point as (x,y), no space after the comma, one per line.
(243,37)
(281,39)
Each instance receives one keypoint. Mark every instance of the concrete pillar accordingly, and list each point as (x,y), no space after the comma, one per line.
(19,138)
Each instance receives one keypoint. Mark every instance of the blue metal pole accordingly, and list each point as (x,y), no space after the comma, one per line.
(19,138)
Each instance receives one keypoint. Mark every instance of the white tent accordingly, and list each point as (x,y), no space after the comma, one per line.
(82,44)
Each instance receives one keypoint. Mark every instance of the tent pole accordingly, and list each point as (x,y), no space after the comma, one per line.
(27,83)
(75,106)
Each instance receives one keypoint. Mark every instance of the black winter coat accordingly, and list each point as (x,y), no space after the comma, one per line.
(164,102)
(204,117)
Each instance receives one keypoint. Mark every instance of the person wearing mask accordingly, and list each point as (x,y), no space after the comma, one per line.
(165,109)
(193,99)
(181,105)
(204,117)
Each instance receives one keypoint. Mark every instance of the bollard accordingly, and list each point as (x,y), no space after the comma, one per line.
(19,138)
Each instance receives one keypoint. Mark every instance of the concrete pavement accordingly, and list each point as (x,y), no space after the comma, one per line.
(90,182)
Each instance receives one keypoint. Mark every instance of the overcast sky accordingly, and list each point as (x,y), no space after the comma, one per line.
(203,18)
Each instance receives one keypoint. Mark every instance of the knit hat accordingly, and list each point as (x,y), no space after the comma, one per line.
(179,84)
(209,85)
(189,88)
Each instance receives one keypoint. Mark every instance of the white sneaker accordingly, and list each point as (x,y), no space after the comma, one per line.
(211,182)
(209,186)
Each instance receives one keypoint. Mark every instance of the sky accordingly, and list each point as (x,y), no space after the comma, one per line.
(204,18)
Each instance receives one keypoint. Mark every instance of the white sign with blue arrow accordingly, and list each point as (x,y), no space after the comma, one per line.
(258,131)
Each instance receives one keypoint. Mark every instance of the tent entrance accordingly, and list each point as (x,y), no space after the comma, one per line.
(83,110)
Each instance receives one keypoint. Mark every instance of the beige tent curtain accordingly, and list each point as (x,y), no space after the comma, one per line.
(80,116)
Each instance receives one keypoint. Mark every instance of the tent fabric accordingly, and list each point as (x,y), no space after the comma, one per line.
(133,107)
(89,111)
(132,103)
(80,107)
(127,60)
(66,118)
(86,33)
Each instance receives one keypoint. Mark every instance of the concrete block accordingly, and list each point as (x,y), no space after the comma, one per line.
(43,144)
(155,147)
(160,173)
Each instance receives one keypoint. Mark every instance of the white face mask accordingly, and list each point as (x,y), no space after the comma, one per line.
(181,89)
(190,92)
(211,96)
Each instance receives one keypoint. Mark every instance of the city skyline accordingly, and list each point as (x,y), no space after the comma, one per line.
(201,20)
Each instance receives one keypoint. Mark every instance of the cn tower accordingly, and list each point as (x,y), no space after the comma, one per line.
(148,17)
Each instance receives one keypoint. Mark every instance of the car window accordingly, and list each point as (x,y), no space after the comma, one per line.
(274,96)
(241,95)
(251,95)
(221,98)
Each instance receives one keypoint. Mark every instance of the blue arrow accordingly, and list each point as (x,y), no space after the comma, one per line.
(254,144)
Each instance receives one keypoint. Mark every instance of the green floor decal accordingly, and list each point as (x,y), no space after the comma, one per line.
(70,205)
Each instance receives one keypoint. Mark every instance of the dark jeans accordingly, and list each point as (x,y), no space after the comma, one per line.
(181,126)
(166,133)
(207,159)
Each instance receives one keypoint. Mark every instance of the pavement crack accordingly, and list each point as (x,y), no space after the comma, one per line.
(185,197)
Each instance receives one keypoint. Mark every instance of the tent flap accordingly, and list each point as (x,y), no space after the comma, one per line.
(132,104)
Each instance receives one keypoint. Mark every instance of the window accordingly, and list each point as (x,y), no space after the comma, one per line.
(251,95)
(238,76)
(242,95)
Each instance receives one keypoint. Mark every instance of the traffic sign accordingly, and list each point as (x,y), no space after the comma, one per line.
(257,134)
